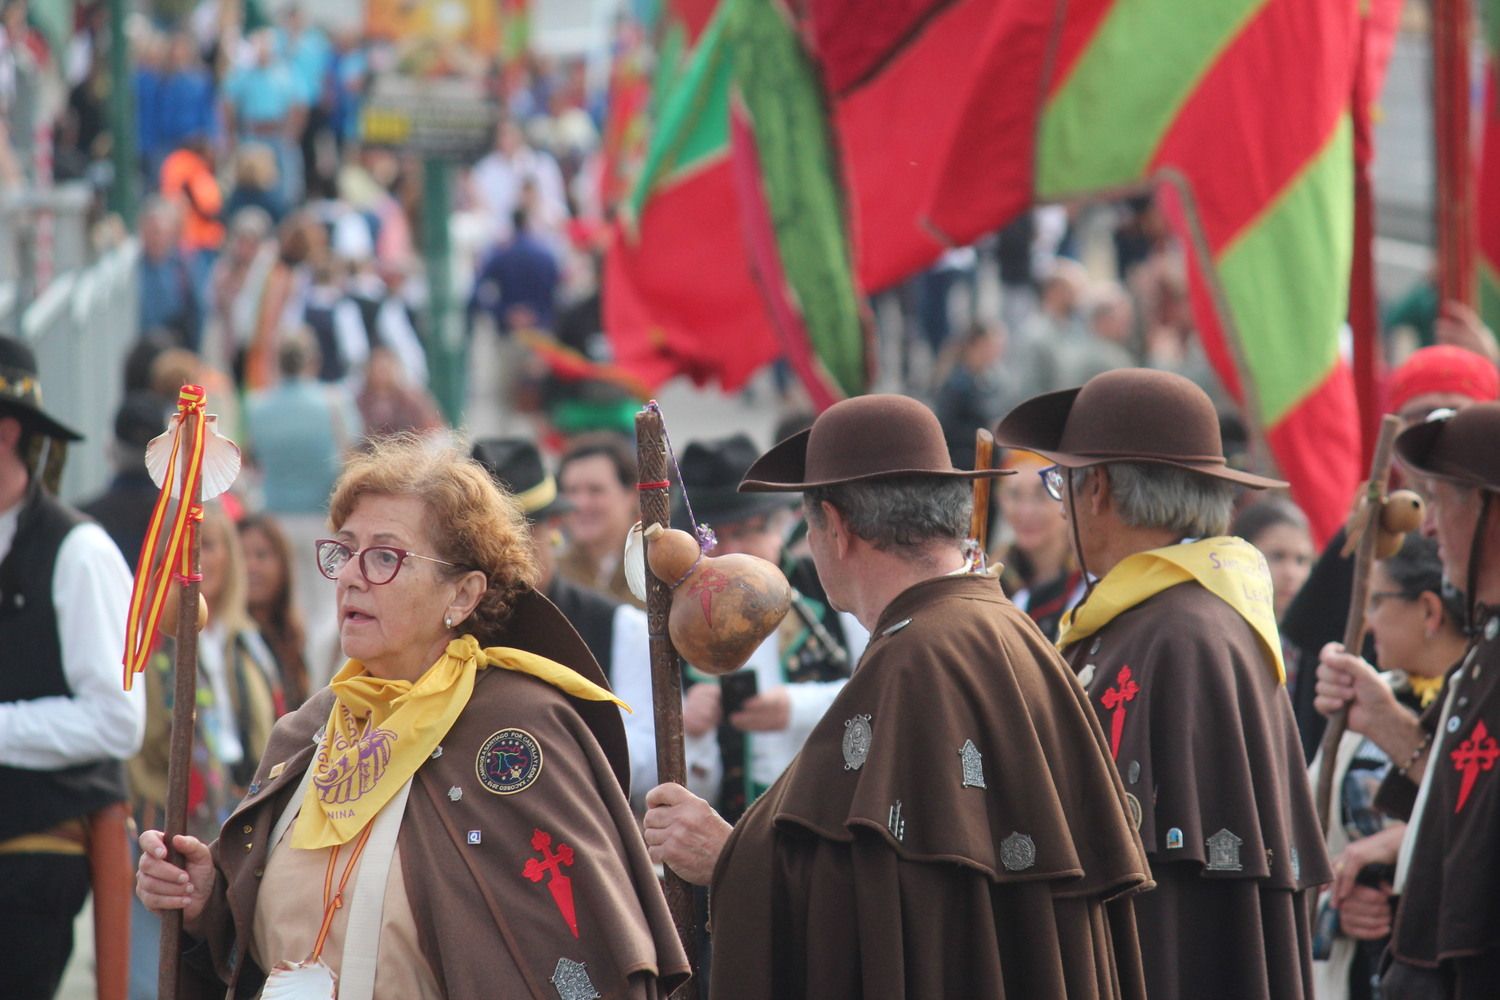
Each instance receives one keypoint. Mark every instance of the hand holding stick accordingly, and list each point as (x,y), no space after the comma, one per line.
(1366,524)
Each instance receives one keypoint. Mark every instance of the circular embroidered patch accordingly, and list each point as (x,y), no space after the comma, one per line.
(509,762)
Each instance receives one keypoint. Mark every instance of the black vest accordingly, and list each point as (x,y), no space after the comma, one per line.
(31,667)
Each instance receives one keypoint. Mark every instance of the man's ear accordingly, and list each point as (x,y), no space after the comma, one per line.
(1432,612)
(1096,491)
(837,529)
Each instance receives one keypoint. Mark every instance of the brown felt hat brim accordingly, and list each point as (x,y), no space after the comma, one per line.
(783,469)
(1038,425)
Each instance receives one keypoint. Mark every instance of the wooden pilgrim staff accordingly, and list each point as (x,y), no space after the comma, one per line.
(1365,529)
(192,463)
(666,669)
(979,520)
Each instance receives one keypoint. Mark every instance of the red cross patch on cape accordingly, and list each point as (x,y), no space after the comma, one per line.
(553,862)
(1115,699)
(1473,755)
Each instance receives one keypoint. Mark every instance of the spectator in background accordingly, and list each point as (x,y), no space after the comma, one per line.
(1111,327)
(517,283)
(255,183)
(1054,329)
(270,593)
(168,296)
(235,288)
(309,55)
(303,243)
(300,431)
(1278,528)
(384,316)
(976,393)
(598,477)
(389,403)
(182,107)
(124,509)
(496,184)
(188,182)
(263,102)
(1039,571)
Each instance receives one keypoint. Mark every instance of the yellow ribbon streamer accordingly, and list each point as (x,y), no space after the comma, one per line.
(145,612)
(1230,568)
(381,731)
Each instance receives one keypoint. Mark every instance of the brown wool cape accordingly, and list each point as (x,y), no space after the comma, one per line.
(1208,748)
(1449,917)
(485,929)
(872,869)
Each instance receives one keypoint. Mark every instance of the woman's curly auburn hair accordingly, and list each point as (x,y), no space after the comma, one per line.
(471,521)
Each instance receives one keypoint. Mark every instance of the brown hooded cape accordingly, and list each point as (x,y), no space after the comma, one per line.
(485,929)
(1208,743)
(1449,917)
(897,879)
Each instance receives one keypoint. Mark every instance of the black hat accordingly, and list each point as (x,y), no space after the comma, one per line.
(21,392)
(516,465)
(141,417)
(711,474)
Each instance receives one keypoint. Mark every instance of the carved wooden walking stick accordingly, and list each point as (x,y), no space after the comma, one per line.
(666,669)
(191,462)
(979,520)
(1376,528)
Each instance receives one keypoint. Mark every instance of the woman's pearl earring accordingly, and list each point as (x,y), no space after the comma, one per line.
(447,621)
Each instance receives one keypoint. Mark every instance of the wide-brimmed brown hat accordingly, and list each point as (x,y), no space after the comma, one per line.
(856,440)
(1126,415)
(1463,447)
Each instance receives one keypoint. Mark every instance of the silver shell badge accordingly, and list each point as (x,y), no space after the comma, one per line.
(1017,852)
(857,737)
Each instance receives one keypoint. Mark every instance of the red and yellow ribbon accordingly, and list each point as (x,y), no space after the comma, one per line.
(177,558)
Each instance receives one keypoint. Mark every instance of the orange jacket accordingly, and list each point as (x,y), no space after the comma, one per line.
(187,179)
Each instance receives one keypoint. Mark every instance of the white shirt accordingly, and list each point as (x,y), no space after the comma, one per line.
(497,181)
(99,720)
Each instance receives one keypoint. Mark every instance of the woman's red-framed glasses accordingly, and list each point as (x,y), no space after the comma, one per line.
(378,564)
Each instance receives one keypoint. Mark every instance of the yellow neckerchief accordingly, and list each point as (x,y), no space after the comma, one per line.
(1425,688)
(380,731)
(1230,568)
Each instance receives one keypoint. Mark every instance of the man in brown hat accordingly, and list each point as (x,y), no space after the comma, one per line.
(1177,646)
(1446,941)
(65,721)
(952,827)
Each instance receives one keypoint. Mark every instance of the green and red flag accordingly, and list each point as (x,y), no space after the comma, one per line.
(1259,187)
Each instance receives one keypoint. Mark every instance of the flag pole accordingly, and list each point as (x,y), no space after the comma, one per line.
(179,760)
(654,489)
(1451,38)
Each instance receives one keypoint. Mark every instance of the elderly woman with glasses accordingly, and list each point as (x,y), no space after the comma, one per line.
(449,816)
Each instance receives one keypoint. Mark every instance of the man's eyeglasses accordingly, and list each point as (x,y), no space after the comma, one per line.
(1053,481)
(378,564)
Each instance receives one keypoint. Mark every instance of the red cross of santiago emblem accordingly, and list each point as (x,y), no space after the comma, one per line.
(553,863)
(1475,754)
(709,583)
(1114,699)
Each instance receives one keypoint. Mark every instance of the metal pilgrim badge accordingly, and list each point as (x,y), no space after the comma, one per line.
(1224,852)
(572,981)
(857,738)
(1017,852)
(973,765)
(310,980)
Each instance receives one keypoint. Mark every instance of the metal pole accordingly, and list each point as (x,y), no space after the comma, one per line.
(122,188)
(445,346)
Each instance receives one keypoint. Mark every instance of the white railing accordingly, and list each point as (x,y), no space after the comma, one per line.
(81,327)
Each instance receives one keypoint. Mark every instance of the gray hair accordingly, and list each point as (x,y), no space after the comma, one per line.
(903,512)
(1150,495)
